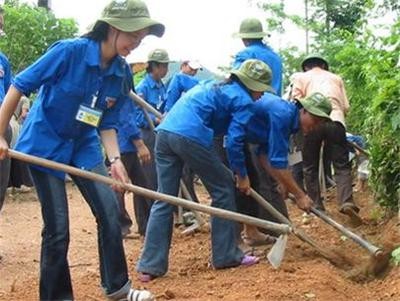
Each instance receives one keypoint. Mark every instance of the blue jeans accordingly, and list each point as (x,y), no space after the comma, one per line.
(55,280)
(172,152)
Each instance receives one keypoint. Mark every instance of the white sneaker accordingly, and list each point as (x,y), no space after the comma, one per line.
(140,295)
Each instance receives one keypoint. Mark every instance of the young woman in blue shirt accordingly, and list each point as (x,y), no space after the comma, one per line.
(82,85)
(186,137)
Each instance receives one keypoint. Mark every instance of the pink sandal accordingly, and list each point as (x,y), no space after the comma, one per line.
(248,260)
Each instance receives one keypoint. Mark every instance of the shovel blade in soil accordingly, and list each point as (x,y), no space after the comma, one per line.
(277,252)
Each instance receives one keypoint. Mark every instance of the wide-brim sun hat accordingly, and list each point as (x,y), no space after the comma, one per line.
(314,57)
(317,104)
(130,16)
(158,55)
(250,28)
(255,75)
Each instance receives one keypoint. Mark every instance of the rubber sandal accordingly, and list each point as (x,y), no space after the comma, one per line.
(248,260)
(140,295)
(144,277)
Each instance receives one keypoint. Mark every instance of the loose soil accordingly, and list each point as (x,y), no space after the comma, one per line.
(303,275)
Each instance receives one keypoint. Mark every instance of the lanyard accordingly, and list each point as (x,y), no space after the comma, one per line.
(94,99)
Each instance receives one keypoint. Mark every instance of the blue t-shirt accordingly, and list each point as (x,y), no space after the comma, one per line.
(127,128)
(258,50)
(273,122)
(152,92)
(179,84)
(69,75)
(5,76)
(212,109)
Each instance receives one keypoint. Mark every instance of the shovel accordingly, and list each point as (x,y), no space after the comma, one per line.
(226,214)
(379,259)
(199,220)
(373,250)
(299,233)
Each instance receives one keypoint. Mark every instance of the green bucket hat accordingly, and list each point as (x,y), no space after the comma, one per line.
(317,104)
(250,28)
(314,57)
(255,75)
(129,16)
(158,55)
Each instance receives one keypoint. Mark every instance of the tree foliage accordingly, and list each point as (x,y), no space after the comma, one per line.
(30,31)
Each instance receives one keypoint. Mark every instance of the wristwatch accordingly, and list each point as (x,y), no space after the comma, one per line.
(113,159)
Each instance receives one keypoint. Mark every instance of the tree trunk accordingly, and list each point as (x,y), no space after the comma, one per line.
(45,3)
(307,29)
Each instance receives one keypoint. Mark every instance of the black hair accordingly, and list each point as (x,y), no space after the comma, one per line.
(99,32)
(315,62)
(253,40)
(233,78)
(151,65)
(297,103)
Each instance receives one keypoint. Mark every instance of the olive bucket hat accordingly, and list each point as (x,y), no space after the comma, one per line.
(158,55)
(317,104)
(313,58)
(250,28)
(129,16)
(255,75)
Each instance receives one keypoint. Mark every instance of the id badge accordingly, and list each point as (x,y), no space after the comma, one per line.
(89,116)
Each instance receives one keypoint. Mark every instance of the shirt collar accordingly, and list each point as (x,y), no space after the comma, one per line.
(92,58)
(152,82)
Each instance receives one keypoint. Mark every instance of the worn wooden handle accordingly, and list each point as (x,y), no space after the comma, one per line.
(280,228)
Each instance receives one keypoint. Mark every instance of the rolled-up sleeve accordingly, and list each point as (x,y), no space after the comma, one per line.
(48,68)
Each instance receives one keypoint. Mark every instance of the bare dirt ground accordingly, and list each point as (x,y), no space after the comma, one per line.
(303,275)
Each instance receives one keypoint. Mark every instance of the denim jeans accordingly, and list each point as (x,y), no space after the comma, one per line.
(172,152)
(5,165)
(55,280)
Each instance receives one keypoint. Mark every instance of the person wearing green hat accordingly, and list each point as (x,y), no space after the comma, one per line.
(83,84)
(137,145)
(186,137)
(317,78)
(251,32)
(267,147)
(152,90)
(134,155)
(274,121)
